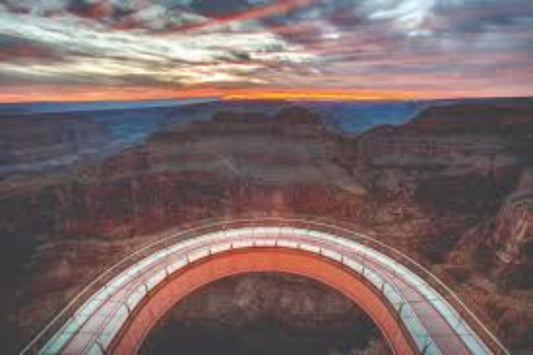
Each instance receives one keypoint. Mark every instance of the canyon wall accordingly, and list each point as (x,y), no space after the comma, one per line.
(454,179)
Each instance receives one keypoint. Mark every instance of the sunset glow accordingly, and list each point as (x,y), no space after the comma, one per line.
(139,93)
(82,94)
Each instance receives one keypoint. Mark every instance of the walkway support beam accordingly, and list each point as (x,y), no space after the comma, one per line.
(263,260)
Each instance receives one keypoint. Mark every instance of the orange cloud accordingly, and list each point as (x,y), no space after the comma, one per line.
(42,93)
(69,93)
(317,94)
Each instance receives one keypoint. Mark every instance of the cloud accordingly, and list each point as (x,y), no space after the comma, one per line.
(99,9)
(346,44)
(22,50)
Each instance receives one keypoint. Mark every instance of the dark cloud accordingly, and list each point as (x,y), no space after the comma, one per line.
(481,16)
(157,15)
(345,20)
(219,8)
(100,9)
(235,55)
(10,78)
(17,49)
(17,7)
(120,15)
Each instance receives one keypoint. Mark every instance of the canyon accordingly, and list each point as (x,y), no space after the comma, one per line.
(452,187)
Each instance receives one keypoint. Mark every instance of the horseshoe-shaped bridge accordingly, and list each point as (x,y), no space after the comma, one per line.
(414,310)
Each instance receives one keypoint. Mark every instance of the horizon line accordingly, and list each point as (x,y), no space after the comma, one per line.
(105,96)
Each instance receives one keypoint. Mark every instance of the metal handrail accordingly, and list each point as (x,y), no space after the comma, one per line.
(312,222)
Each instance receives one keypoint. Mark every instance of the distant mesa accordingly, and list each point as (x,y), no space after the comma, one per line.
(297,115)
(292,114)
(515,114)
(235,117)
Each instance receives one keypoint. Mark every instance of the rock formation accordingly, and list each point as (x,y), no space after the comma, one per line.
(450,188)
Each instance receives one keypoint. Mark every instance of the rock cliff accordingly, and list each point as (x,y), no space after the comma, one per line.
(440,186)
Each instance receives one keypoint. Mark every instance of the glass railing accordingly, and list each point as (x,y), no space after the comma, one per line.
(141,258)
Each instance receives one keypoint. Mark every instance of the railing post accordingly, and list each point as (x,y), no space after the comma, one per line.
(425,348)
(101,347)
(400,310)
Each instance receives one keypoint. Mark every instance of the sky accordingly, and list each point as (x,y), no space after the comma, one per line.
(77,50)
